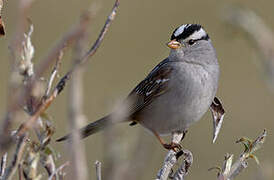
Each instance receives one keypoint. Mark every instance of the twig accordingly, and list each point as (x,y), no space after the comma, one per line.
(3,165)
(229,171)
(98,170)
(16,158)
(61,84)
(58,170)
(170,159)
(184,168)
(53,73)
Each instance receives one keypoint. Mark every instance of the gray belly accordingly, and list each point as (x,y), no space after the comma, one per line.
(188,98)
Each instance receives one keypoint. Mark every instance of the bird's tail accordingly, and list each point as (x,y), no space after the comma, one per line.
(91,128)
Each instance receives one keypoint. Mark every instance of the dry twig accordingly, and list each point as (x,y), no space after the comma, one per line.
(230,170)
(98,170)
(170,160)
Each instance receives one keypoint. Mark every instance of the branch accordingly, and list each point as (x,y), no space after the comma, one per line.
(17,96)
(75,114)
(61,84)
(184,168)
(53,74)
(98,170)
(229,171)
(171,158)
(16,49)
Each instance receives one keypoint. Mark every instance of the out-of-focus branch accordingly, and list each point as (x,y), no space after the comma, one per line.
(259,34)
(171,158)
(16,50)
(230,170)
(10,170)
(61,84)
(17,96)
(98,170)
(76,116)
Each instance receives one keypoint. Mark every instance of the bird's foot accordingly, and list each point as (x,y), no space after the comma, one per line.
(174,146)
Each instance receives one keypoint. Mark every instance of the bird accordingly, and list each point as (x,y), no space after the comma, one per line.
(175,94)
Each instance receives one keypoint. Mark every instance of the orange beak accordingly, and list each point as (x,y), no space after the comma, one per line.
(173,44)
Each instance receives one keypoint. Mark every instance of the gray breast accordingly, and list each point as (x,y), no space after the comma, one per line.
(190,93)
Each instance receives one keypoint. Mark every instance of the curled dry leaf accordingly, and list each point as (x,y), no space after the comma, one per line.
(2,27)
(218,114)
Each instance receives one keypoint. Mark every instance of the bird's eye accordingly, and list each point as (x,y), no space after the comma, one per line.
(191,42)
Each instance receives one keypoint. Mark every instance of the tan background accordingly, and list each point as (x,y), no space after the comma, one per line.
(133,46)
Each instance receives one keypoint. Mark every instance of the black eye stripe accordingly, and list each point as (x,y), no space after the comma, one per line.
(192,41)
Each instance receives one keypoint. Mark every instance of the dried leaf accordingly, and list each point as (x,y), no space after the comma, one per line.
(258,142)
(218,113)
(227,164)
(2,27)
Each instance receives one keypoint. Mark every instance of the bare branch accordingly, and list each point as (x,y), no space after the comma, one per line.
(16,49)
(171,158)
(98,170)
(53,74)
(229,171)
(184,168)
(75,114)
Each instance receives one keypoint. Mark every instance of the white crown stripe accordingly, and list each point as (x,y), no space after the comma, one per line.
(180,30)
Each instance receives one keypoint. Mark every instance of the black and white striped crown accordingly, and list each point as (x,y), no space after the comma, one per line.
(189,31)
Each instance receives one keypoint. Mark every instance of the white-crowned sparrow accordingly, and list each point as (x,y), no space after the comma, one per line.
(176,93)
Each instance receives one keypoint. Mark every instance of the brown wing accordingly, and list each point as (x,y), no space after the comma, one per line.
(153,86)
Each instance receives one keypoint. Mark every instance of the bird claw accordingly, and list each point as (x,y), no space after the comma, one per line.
(173,146)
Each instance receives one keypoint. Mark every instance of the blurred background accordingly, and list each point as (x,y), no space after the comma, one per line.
(134,44)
